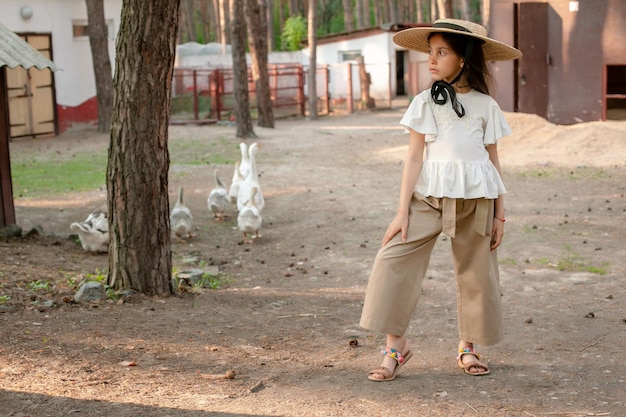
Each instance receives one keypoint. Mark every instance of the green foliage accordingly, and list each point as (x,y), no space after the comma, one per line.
(39,285)
(331,18)
(4,299)
(294,31)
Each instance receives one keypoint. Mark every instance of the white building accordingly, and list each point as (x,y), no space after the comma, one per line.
(58,29)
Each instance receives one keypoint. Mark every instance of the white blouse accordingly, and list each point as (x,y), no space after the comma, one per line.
(456,163)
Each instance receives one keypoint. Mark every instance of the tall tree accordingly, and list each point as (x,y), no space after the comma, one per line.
(485,13)
(224,22)
(243,120)
(140,255)
(98,40)
(312,24)
(348,15)
(257,27)
(360,18)
(269,18)
(188,20)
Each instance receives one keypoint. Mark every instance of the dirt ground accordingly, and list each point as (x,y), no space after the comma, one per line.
(284,327)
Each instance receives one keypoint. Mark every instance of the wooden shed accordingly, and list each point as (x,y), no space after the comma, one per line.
(14,52)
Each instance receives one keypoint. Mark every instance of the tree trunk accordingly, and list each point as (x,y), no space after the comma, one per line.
(189,24)
(367,102)
(257,27)
(99,43)
(348,16)
(269,18)
(360,18)
(224,22)
(485,13)
(243,120)
(140,256)
(205,14)
(312,23)
(217,28)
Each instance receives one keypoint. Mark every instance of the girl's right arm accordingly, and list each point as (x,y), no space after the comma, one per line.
(410,174)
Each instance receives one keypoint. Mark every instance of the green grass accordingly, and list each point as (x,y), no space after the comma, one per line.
(37,178)
(574,263)
(49,175)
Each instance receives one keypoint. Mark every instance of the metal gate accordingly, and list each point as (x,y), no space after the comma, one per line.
(31,95)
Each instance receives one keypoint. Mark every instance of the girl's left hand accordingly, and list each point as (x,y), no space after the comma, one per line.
(497,232)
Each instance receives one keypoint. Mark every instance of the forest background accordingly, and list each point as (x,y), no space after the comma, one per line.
(205,21)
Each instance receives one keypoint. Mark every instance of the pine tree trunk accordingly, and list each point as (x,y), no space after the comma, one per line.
(485,13)
(348,16)
(99,43)
(216,22)
(269,16)
(140,255)
(224,22)
(243,120)
(255,17)
(312,40)
(360,19)
(189,24)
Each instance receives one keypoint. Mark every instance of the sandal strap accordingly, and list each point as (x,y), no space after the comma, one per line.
(393,354)
(466,351)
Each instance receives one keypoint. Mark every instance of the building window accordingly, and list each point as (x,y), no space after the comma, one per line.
(349,56)
(80,28)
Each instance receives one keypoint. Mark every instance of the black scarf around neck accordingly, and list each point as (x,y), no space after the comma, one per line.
(441,90)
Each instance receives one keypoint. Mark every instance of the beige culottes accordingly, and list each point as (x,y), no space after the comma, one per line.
(396,279)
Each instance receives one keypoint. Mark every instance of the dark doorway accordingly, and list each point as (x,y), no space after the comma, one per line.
(614,99)
(400,73)
(531,87)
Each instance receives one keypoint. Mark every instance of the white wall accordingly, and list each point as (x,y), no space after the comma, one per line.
(75,82)
(378,55)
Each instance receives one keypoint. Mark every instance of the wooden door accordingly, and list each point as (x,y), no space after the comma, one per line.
(532,69)
(31,95)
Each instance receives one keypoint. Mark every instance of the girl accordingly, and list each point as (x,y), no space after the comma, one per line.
(450,183)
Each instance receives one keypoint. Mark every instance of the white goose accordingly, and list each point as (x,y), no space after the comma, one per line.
(249,220)
(218,199)
(234,185)
(252,180)
(244,164)
(181,219)
(93,232)
(242,169)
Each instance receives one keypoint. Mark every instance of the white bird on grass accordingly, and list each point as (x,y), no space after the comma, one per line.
(218,199)
(252,180)
(181,219)
(93,232)
(249,220)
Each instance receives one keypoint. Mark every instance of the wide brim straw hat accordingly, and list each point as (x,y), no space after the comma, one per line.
(416,39)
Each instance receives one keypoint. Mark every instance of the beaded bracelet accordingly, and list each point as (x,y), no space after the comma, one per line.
(499,218)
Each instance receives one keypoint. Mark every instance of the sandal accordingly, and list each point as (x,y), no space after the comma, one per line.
(390,375)
(472,364)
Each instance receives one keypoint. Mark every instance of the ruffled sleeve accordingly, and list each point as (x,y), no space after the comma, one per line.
(496,126)
(419,115)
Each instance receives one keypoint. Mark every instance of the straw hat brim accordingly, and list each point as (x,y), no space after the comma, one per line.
(416,39)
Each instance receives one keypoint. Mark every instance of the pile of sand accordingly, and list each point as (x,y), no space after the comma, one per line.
(539,142)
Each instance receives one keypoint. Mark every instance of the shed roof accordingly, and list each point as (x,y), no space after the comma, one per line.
(15,51)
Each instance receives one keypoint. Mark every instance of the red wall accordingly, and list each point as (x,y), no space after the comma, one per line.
(86,112)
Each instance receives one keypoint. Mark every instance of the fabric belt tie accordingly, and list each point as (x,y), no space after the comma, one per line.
(448,214)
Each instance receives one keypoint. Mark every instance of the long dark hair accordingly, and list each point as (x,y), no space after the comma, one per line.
(475,68)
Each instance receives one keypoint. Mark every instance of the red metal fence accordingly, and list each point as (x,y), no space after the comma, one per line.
(206,95)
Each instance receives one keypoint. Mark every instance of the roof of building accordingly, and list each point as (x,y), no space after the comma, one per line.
(15,51)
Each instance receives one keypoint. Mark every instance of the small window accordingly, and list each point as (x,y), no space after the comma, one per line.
(80,28)
(347,56)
